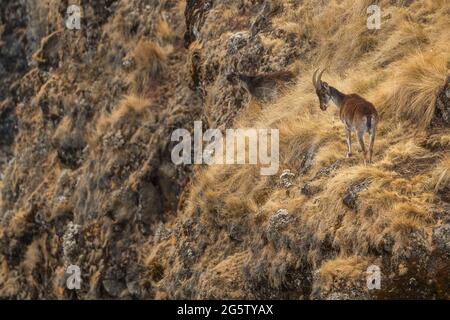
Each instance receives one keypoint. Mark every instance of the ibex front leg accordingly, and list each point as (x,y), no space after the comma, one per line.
(349,142)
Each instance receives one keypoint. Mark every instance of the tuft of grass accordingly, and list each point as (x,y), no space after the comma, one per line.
(345,270)
(441,175)
(151,63)
(9,281)
(164,31)
(125,116)
(414,87)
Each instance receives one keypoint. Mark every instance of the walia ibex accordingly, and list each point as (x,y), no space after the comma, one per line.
(356,113)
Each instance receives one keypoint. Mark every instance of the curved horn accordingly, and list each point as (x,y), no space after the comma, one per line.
(320,76)
(314,78)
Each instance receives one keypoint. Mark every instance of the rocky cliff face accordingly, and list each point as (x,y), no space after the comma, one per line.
(86,175)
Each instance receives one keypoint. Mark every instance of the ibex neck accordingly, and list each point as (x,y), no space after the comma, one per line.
(337,96)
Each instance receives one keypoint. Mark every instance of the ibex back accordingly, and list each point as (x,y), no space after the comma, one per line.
(356,113)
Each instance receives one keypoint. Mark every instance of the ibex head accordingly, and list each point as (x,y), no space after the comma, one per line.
(322,90)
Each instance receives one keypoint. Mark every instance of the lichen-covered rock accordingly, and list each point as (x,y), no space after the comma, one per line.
(113,287)
(70,243)
(237,41)
(277,222)
(350,197)
(442,112)
(286,178)
(308,159)
(441,238)
(309,189)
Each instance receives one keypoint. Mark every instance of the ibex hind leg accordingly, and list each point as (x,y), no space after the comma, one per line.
(372,134)
(349,142)
(360,134)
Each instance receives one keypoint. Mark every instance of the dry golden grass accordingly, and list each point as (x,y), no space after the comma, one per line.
(19,223)
(150,55)
(224,279)
(34,256)
(164,31)
(9,281)
(151,63)
(413,90)
(439,140)
(348,269)
(57,289)
(275,45)
(129,109)
(441,175)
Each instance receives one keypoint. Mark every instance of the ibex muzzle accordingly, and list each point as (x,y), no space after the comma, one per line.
(322,90)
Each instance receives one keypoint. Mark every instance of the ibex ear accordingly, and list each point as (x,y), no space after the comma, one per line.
(325,85)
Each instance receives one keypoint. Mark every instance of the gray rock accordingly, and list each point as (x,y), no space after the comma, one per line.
(236,42)
(279,221)
(442,111)
(441,238)
(186,254)
(236,232)
(70,247)
(286,178)
(113,287)
(309,189)
(132,281)
(149,203)
(308,158)
(162,233)
(167,174)
(2,70)
(325,171)
(351,195)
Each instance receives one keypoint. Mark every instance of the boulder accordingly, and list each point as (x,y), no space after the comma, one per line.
(442,111)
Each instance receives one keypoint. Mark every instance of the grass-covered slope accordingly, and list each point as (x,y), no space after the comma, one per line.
(338,217)
(86,176)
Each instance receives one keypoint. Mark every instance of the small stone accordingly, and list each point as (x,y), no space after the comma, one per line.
(308,159)
(279,220)
(287,178)
(162,233)
(236,231)
(113,287)
(351,195)
(308,189)
(236,42)
(441,238)
(350,200)
(70,247)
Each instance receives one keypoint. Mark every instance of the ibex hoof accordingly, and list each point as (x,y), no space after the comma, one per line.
(349,155)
